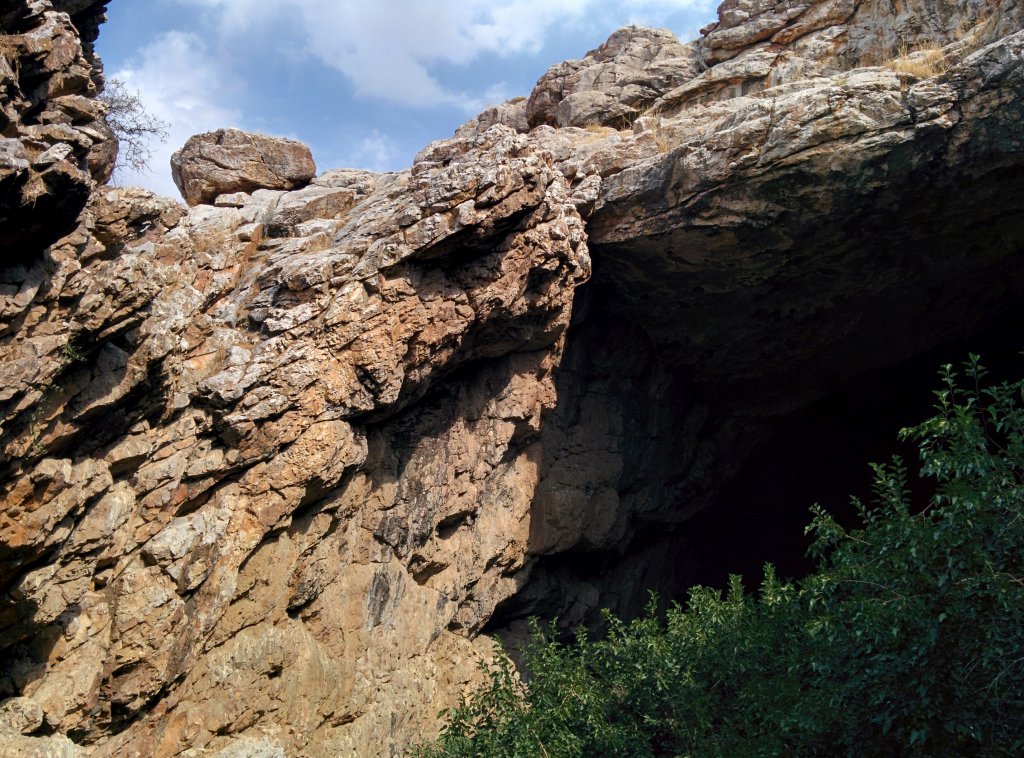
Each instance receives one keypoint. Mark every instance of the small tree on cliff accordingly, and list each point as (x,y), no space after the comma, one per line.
(135,128)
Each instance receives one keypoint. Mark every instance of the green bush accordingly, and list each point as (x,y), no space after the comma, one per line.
(905,640)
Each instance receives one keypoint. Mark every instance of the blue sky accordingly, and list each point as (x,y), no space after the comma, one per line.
(365,83)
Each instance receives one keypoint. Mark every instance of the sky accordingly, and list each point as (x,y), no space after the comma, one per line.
(364,83)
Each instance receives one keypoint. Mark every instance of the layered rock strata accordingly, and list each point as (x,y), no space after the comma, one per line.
(277,465)
(53,139)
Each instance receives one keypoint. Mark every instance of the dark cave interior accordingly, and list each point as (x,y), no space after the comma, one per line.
(820,454)
(754,486)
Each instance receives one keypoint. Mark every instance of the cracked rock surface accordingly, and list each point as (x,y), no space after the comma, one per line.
(54,143)
(276,466)
(228,161)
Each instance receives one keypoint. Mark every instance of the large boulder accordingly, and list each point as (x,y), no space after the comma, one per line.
(230,160)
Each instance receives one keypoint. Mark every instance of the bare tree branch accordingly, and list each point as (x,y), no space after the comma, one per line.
(134,127)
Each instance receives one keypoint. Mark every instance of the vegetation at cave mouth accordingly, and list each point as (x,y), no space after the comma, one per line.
(906,639)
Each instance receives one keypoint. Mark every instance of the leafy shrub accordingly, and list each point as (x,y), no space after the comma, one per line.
(906,639)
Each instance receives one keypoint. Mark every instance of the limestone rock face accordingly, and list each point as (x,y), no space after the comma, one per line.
(757,44)
(229,160)
(53,141)
(274,468)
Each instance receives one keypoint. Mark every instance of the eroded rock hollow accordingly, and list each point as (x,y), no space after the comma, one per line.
(277,465)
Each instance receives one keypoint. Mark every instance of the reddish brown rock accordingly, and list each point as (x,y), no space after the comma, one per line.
(50,156)
(229,160)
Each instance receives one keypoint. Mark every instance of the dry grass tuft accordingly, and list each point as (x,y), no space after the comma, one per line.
(922,63)
(654,109)
(932,60)
(595,133)
(9,50)
(623,123)
(662,139)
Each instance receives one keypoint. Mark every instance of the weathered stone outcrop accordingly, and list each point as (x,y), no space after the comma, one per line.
(53,141)
(268,358)
(615,82)
(274,469)
(228,161)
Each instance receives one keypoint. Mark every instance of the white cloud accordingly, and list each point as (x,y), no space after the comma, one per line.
(653,13)
(670,6)
(375,151)
(518,26)
(180,83)
(387,49)
(414,53)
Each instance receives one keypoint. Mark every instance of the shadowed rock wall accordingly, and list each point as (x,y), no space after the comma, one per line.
(276,465)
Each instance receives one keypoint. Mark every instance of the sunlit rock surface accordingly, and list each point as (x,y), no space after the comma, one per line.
(228,161)
(276,466)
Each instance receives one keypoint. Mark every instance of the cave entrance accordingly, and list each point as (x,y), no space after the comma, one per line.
(737,358)
(820,454)
(658,479)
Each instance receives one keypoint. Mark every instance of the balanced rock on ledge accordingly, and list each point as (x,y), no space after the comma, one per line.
(230,160)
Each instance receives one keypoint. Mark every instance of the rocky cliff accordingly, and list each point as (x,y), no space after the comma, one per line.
(53,139)
(277,465)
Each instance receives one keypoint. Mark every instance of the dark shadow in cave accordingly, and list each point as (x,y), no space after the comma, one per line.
(746,502)
(821,454)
